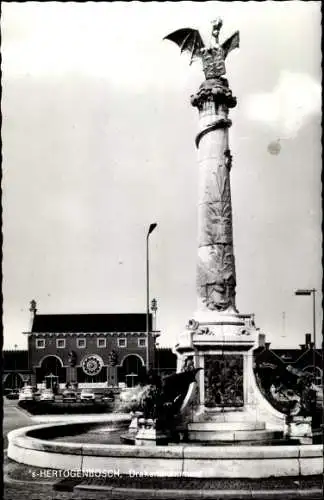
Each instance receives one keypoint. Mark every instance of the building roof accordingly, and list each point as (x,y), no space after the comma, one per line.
(60,323)
(15,360)
(288,355)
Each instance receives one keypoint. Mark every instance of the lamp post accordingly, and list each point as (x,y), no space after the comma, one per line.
(15,366)
(154,309)
(151,229)
(311,291)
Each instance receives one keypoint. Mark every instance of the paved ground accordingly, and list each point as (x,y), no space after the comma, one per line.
(13,418)
(24,482)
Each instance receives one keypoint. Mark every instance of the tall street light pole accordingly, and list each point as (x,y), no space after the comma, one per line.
(15,366)
(311,291)
(154,309)
(151,229)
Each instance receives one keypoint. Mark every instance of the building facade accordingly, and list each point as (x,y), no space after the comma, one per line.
(15,369)
(96,350)
(104,350)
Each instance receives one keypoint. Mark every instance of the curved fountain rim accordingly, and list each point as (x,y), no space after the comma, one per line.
(21,439)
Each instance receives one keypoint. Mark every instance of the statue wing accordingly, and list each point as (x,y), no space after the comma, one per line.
(233,42)
(189,40)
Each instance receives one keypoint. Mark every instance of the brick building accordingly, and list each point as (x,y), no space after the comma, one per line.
(100,350)
(15,368)
(91,349)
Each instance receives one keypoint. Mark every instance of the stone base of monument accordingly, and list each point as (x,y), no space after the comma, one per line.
(229,405)
(134,425)
(151,437)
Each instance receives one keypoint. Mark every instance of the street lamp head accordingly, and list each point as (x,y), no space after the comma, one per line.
(152,227)
(304,291)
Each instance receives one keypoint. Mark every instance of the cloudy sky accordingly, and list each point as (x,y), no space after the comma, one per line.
(98,142)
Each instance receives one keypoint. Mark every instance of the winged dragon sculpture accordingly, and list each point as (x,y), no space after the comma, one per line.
(213,57)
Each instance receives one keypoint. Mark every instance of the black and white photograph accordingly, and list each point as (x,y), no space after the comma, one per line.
(162,250)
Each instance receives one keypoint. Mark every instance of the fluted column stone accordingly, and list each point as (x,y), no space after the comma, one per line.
(216,278)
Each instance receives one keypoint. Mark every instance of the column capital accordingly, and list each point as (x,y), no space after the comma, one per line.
(216,91)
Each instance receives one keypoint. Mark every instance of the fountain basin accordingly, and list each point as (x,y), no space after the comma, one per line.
(35,446)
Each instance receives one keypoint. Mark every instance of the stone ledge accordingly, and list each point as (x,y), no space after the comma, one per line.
(48,446)
(238,437)
(171,461)
(124,450)
(226,426)
(243,452)
(311,450)
(241,468)
(77,418)
(194,494)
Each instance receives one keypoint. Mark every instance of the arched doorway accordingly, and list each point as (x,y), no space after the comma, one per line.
(13,381)
(132,370)
(51,365)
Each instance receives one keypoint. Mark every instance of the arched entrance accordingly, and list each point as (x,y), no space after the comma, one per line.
(13,381)
(51,365)
(132,370)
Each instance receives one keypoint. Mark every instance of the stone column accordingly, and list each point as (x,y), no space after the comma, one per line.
(71,374)
(112,375)
(219,338)
(33,378)
(216,278)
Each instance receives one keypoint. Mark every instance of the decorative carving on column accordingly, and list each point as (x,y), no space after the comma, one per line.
(192,324)
(216,279)
(228,159)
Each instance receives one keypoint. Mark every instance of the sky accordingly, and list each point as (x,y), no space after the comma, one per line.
(98,142)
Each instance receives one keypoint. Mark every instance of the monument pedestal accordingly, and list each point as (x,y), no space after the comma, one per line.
(149,435)
(229,405)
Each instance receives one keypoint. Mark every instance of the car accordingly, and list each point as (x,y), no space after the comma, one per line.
(26,394)
(29,387)
(47,395)
(14,394)
(69,396)
(108,397)
(87,395)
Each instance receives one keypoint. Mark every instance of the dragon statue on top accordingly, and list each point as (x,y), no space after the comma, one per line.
(213,57)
